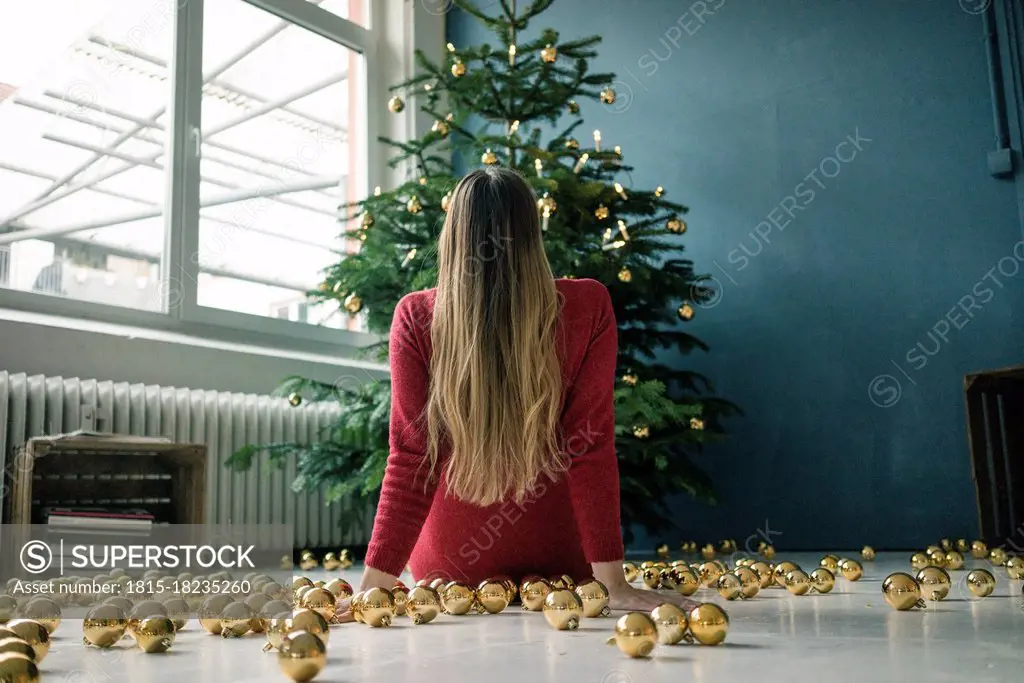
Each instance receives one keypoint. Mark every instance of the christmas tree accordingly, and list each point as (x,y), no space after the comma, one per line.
(520,104)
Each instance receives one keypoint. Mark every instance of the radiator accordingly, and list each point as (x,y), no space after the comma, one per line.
(35,405)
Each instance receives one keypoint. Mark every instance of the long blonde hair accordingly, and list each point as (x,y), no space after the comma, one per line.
(495,377)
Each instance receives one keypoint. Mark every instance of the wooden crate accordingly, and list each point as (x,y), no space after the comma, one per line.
(995,430)
(110,471)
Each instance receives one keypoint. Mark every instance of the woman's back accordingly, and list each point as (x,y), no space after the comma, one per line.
(565,523)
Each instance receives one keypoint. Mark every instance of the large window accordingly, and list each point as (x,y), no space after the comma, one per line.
(277,128)
(83,122)
(187,159)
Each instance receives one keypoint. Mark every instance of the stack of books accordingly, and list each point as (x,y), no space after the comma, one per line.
(98,520)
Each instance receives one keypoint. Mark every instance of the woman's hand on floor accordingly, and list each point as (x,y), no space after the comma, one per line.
(343,612)
(372,578)
(630,599)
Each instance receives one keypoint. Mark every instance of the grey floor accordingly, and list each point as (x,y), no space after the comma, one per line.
(849,635)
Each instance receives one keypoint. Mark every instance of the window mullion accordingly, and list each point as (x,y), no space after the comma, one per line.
(180,273)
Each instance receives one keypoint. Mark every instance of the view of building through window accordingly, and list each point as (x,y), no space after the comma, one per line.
(83,131)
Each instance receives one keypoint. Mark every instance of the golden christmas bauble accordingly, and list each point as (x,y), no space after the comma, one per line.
(764,573)
(211,610)
(43,610)
(709,624)
(17,646)
(441,128)
(549,53)
(458,69)
(532,592)
(708,552)
(636,634)
(780,571)
(562,581)
(492,596)
(658,191)
(322,601)
(822,580)
(295,399)
(573,107)
(932,549)
(547,203)
(729,586)
(946,545)
(17,668)
(652,577)
(919,561)
(979,550)
(686,581)
(331,562)
(457,598)
(962,546)
(625,275)
(797,582)
(563,609)
(676,225)
(981,582)
(446,201)
(641,431)
(422,605)
(301,656)
(396,105)
(104,626)
(345,556)
(867,554)
(572,143)
(708,573)
(936,557)
(686,313)
(608,95)
(353,304)
(277,628)
(954,560)
(488,157)
(401,595)
(236,620)
(851,569)
(630,572)
(769,550)
(307,620)
(671,623)
(830,562)
(155,634)
(750,580)
(935,583)
(667,578)
(33,633)
(8,608)
(144,609)
(414,205)
(378,607)
(179,611)
(998,557)
(902,591)
(594,596)
(1015,567)
(601,212)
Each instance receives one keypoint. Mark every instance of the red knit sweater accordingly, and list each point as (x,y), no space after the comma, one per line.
(566,524)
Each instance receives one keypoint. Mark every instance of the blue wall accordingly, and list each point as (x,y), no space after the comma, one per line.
(828,280)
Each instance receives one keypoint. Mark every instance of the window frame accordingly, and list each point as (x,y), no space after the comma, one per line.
(395,31)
